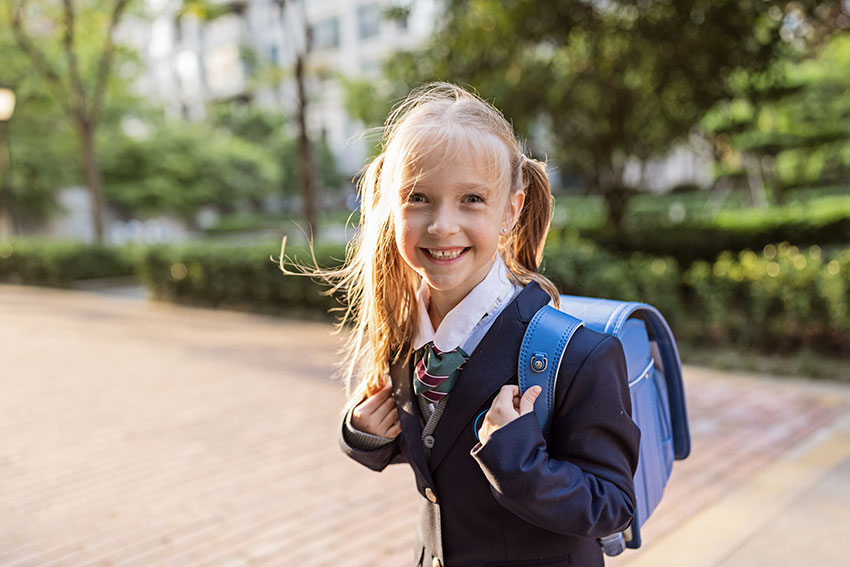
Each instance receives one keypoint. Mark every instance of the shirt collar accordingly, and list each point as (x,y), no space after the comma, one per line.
(459,322)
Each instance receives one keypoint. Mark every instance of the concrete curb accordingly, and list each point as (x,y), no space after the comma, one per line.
(715,536)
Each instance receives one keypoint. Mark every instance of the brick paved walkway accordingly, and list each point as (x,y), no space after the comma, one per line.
(138,433)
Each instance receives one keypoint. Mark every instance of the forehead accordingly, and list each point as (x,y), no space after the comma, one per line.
(455,155)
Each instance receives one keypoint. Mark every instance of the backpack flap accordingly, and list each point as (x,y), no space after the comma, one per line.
(611,317)
(635,343)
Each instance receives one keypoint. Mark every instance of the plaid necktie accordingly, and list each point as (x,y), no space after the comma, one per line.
(436,372)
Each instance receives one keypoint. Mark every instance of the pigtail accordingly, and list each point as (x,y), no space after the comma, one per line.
(524,251)
(535,216)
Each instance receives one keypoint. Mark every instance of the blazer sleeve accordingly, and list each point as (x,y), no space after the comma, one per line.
(369,450)
(581,485)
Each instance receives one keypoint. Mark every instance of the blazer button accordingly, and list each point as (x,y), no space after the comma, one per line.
(429,494)
(436,563)
(428,441)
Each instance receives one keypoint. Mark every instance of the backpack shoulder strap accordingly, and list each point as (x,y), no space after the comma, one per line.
(543,345)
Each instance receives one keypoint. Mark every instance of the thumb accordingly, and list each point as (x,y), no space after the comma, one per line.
(526,404)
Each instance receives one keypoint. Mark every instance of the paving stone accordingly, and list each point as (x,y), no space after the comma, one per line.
(142,433)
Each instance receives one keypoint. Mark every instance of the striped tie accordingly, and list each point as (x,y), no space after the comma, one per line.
(436,372)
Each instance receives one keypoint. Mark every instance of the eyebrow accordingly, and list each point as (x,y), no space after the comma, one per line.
(478,187)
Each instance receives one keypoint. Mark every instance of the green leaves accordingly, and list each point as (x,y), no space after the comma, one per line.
(781,298)
(599,83)
(184,167)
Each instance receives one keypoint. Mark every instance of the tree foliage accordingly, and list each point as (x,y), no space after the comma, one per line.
(794,120)
(184,167)
(71,47)
(598,84)
(45,146)
(272,130)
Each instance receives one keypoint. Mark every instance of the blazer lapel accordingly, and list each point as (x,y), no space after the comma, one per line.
(408,415)
(491,366)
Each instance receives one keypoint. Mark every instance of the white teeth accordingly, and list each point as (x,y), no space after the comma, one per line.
(446,255)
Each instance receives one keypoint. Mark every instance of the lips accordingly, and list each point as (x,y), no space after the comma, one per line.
(445,254)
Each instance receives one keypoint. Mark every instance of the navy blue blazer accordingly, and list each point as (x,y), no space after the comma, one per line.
(521,499)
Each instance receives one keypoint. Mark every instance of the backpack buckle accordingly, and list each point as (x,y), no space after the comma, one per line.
(539,362)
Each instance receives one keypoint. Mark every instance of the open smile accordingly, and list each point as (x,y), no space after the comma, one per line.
(445,254)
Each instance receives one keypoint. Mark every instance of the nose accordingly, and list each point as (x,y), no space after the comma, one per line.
(444,222)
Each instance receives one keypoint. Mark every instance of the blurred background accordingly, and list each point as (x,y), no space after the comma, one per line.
(699,150)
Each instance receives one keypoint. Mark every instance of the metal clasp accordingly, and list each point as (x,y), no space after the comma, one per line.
(539,362)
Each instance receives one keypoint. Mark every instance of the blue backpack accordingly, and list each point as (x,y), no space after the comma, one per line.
(655,387)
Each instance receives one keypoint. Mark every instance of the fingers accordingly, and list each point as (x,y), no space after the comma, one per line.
(526,403)
(373,402)
(506,394)
(394,431)
(377,414)
(502,411)
(388,416)
(507,399)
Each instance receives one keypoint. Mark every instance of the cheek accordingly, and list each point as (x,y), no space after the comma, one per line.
(405,235)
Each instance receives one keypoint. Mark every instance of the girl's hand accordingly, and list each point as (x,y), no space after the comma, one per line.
(377,414)
(507,406)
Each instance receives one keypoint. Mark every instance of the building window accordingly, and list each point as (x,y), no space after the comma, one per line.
(401,21)
(178,29)
(400,14)
(325,34)
(368,20)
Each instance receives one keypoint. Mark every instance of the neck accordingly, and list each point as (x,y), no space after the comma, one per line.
(444,301)
(438,308)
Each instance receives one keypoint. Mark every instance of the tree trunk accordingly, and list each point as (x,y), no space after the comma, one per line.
(7,210)
(616,201)
(769,173)
(92,172)
(755,182)
(305,158)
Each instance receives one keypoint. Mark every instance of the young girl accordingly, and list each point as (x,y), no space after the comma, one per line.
(441,282)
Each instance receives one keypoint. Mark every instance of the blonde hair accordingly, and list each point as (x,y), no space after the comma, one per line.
(378,287)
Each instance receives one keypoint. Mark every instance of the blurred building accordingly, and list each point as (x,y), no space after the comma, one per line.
(197,53)
(200,52)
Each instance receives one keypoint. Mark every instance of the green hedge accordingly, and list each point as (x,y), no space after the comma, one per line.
(243,277)
(60,264)
(779,300)
(579,267)
(821,221)
(238,277)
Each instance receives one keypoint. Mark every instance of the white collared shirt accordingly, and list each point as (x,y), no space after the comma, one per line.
(464,326)
(467,323)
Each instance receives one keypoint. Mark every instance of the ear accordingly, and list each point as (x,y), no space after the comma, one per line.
(515,202)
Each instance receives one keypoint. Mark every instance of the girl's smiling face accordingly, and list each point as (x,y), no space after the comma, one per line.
(449,218)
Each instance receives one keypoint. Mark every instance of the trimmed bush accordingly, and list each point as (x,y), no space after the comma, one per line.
(777,301)
(243,277)
(579,267)
(781,299)
(238,277)
(60,264)
(821,221)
